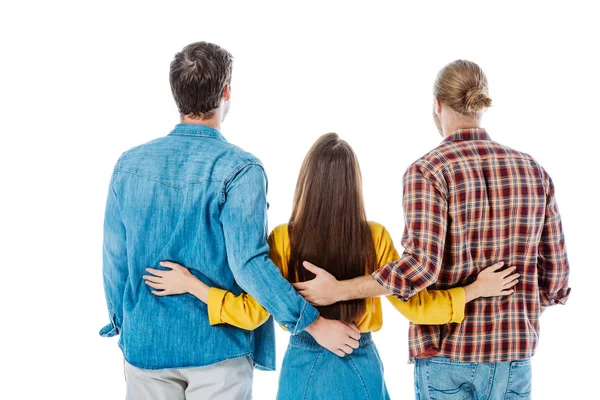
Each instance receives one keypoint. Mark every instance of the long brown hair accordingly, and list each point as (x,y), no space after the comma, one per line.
(329,226)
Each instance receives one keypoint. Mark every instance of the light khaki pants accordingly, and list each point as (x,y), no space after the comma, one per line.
(227,380)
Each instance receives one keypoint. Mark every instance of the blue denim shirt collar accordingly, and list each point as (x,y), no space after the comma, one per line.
(197,130)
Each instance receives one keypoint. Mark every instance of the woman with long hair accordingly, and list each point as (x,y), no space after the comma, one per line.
(328,226)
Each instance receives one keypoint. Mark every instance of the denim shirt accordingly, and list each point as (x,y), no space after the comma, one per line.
(195,199)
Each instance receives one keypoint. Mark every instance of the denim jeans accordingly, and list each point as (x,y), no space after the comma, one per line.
(311,372)
(440,378)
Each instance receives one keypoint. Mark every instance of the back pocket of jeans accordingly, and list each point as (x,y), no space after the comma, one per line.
(519,381)
(448,380)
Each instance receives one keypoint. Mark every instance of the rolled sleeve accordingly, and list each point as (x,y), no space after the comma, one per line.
(242,311)
(215,304)
(558,298)
(432,307)
(385,277)
(458,298)
(109,330)
(308,315)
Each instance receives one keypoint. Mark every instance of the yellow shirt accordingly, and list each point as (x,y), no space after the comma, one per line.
(433,307)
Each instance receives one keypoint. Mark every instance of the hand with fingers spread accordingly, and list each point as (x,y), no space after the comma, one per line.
(339,337)
(323,290)
(492,282)
(176,281)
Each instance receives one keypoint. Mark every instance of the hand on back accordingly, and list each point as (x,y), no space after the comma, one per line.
(176,281)
(493,282)
(339,337)
(322,290)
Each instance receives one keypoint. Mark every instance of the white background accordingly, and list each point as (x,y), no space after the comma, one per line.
(82,82)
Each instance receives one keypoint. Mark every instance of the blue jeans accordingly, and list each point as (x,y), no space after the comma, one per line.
(440,378)
(311,372)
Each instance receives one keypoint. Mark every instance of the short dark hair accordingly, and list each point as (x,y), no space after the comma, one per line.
(198,76)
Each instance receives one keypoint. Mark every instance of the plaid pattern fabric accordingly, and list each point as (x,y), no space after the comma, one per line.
(468,204)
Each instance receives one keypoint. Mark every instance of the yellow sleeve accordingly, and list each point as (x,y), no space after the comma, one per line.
(279,248)
(384,246)
(427,307)
(244,311)
(433,307)
(241,311)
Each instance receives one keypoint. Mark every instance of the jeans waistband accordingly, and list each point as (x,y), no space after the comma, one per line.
(306,341)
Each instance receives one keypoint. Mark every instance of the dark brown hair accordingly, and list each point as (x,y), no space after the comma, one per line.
(329,226)
(464,87)
(198,76)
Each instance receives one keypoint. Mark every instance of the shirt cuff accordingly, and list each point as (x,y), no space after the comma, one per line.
(458,298)
(215,303)
(111,329)
(308,315)
(560,298)
(385,277)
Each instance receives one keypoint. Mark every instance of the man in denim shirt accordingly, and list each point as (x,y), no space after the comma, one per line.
(193,198)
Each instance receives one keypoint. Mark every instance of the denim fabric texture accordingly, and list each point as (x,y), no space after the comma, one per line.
(441,378)
(310,372)
(195,199)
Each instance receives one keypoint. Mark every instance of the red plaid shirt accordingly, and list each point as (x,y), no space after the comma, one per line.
(468,204)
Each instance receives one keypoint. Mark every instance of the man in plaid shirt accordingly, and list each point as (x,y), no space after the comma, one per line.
(469,203)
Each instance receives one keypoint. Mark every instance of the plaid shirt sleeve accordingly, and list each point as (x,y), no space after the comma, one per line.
(553,266)
(425,214)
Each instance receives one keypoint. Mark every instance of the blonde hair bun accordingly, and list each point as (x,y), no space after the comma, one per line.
(476,100)
(463,86)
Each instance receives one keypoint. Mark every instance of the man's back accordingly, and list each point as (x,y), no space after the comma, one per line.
(194,199)
(499,207)
(169,194)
